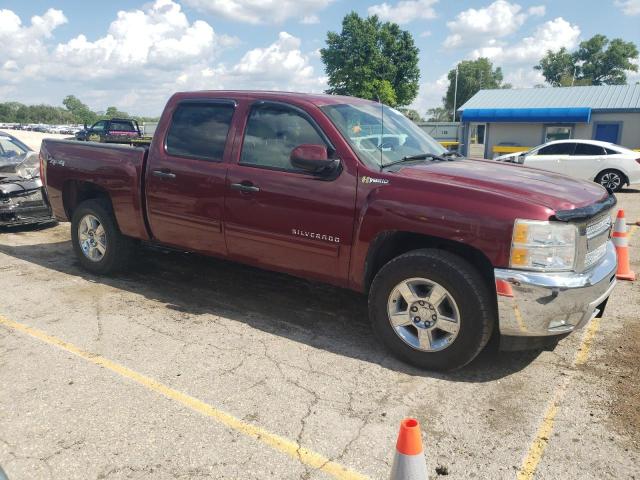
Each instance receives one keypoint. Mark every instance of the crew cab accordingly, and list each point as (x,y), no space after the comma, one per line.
(352,193)
(115,130)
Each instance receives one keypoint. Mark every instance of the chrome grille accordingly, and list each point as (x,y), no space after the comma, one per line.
(596,235)
(598,226)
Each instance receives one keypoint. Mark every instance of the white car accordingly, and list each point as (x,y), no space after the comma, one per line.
(610,165)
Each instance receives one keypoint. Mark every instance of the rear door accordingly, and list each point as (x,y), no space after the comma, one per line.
(586,161)
(550,157)
(279,217)
(186,176)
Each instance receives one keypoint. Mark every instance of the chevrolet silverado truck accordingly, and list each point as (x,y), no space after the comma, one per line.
(350,192)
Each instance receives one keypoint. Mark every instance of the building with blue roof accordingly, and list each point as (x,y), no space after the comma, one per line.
(510,120)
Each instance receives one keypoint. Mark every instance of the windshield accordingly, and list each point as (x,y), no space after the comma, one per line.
(379,143)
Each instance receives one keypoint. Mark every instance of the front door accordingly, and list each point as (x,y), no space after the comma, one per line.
(186,177)
(279,217)
(552,157)
(477,139)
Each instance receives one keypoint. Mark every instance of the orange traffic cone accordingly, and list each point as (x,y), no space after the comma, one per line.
(409,462)
(621,242)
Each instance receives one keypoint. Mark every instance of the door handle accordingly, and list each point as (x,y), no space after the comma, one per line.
(163,174)
(245,187)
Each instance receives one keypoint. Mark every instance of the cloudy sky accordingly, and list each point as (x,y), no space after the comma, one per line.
(134,54)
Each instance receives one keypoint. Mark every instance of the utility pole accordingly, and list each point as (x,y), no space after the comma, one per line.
(455,95)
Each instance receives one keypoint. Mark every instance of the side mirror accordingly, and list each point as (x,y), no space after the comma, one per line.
(312,158)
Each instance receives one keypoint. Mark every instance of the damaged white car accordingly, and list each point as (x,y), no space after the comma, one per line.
(22,198)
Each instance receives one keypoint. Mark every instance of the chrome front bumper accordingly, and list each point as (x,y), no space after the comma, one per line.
(534,304)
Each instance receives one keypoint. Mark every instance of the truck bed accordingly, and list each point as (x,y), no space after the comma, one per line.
(118,170)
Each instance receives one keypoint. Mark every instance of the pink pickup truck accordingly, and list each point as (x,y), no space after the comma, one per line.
(350,192)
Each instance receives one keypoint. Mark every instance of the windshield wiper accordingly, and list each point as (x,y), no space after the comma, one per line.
(450,154)
(420,156)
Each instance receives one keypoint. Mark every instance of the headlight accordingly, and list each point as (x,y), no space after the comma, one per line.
(538,245)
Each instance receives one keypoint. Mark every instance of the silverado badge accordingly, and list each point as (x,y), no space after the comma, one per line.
(382,181)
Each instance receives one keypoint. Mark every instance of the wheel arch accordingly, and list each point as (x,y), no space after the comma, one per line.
(390,244)
(75,192)
(625,177)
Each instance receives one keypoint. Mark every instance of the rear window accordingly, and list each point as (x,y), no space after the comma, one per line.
(199,130)
(588,149)
(122,127)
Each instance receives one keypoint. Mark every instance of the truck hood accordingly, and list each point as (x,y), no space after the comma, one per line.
(557,192)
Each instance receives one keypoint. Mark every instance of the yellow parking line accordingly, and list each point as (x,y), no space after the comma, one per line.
(632,230)
(293,449)
(539,444)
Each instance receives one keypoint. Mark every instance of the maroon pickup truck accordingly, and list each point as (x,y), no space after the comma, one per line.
(350,192)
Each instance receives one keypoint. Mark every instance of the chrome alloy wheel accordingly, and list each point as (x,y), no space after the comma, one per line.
(611,180)
(92,238)
(423,314)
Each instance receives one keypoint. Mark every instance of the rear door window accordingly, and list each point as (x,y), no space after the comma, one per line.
(122,126)
(199,130)
(558,149)
(587,149)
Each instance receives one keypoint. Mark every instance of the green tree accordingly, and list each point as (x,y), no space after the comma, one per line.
(439,114)
(597,61)
(473,76)
(113,112)
(81,112)
(411,114)
(373,60)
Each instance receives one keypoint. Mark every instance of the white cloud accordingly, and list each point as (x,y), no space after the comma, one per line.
(160,37)
(537,11)
(259,11)
(25,42)
(142,58)
(404,11)
(551,35)
(629,7)
(471,26)
(430,94)
(310,20)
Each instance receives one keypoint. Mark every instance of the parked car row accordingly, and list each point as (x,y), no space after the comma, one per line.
(43,128)
(610,165)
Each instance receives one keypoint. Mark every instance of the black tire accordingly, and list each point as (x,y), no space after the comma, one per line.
(607,178)
(464,283)
(119,249)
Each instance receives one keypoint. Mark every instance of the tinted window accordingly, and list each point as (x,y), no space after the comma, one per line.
(199,130)
(100,126)
(611,152)
(557,149)
(588,149)
(122,126)
(272,132)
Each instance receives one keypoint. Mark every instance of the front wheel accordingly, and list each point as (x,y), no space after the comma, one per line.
(612,180)
(432,309)
(97,241)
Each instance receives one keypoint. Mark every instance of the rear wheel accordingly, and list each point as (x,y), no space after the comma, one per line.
(97,241)
(612,180)
(432,309)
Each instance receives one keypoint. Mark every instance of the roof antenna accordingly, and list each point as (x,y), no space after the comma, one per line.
(381,130)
